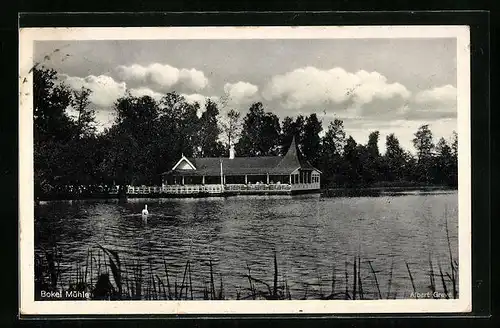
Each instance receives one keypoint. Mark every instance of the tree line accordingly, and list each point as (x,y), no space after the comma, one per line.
(148,137)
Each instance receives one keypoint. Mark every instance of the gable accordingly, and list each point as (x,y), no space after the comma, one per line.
(184,164)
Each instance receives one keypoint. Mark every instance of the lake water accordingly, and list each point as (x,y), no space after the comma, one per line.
(313,237)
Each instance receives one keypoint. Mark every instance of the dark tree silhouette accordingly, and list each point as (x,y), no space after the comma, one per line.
(261,131)
(311,143)
(209,131)
(148,137)
(424,145)
(333,143)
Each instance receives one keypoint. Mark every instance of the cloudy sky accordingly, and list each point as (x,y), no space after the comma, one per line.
(389,85)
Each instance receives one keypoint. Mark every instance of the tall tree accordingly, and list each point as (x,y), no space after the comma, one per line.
(85,120)
(183,122)
(333,143)
(372,145)
(260,134)
(53,128)
(312,141)
(299,125)
(371,159)
(444,172)
(394,159)
(351,163)
(424,145)
(209,131)
(454,144)
(288,131)
(291,128)
(231,127)
(454,165)
(133,151)
(50,101)
(338,137)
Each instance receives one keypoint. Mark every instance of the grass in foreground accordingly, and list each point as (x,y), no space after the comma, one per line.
(105,276)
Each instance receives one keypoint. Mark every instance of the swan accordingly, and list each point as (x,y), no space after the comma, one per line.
(145,211)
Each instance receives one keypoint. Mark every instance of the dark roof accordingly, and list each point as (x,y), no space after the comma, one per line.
(292,160)
(276,165)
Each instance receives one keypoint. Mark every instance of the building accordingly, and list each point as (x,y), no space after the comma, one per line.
(287,174)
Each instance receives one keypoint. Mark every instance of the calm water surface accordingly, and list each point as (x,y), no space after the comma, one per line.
(313,236)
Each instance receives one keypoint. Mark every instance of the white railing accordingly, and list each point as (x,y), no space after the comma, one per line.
(306,186)
(143,190)
(217,188)
(174,189)
(192,189)
(258,187)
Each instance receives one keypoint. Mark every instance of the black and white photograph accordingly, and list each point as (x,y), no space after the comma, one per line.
(245,170)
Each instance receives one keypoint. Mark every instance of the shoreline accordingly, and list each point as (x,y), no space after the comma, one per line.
(328,192)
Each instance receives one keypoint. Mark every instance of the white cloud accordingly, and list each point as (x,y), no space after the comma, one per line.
(201,100)
(310,86)
(240,93)
(163,77)
(433,104)
(132,72)
(105,90)
(193,78)
(439,97)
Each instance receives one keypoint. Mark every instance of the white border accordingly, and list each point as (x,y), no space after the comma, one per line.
(26,200)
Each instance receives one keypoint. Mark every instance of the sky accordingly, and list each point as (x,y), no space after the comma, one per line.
(387,85)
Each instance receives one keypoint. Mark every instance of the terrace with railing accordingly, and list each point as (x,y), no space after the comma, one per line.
(208,189)
(257,187)
(175,189)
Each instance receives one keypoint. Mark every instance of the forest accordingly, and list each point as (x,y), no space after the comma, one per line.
(148,137)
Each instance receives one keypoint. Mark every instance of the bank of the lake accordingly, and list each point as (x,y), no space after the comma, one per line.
(326,191)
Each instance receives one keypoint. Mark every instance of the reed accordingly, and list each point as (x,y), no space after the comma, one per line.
(355,279)
(411,279)
(431,277)
(305,292)
(376,280)
(360,282)
(320,284)
(275,281)
(191,281)
(129,280)
(346,282)
(445,289)
(115,265)
(250,282)
(212,284)
(333,279)
(221,289)
(389,284)
(184,279)
(168,280)
(452,266)
(152,279)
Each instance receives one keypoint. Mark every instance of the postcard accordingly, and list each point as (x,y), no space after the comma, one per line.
(245,170)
